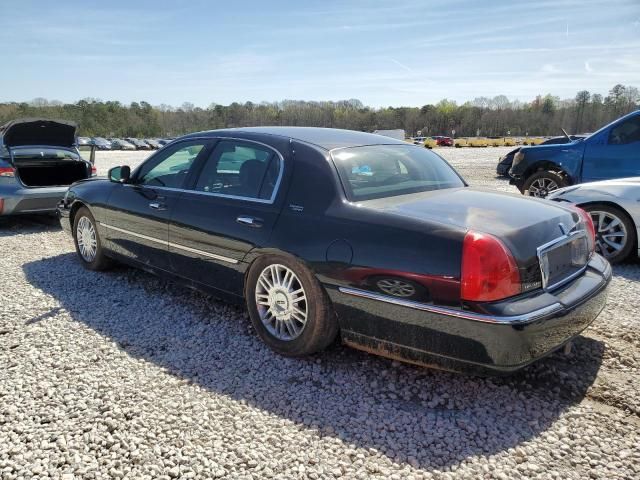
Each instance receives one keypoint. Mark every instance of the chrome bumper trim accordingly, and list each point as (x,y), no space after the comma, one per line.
(466,315)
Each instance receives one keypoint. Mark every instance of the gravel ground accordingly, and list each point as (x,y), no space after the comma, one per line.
(123,375)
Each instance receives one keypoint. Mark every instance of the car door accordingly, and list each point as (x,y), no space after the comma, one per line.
(613,153)
(139,210)
(229,209)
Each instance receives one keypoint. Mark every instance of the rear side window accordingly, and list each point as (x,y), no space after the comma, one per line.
(627,132)
(379,171)
(240,169)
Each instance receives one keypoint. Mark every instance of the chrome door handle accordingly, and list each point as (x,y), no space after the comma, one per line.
(249,221)
(157,206)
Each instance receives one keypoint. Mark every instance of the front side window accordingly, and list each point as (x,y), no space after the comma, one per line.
(170,169)
(241,169)
(379,171)
(626,132)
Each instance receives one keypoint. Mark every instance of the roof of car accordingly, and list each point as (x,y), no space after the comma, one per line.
(326,138)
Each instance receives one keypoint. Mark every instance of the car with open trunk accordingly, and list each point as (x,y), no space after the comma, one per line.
(39,159)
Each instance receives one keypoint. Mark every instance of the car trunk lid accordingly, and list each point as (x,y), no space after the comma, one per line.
(523,224)
(38,131)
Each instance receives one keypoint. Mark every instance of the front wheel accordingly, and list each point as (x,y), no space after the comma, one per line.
(87,241)
(615,232)
(541,183)
(288,307)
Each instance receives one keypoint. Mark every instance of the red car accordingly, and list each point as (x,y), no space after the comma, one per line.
(444,141)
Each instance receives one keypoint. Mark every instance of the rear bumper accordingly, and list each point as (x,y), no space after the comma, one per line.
(21,200)
(505,337)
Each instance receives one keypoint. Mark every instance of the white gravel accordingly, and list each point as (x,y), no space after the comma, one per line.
(123,375)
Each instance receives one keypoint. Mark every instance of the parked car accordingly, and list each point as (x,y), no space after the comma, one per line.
(477,142)
(120,144)
(153,143)
(83,141)
(505,162)
(611,152)
(164,141)
(38,161)
(443,141)
(430,142)
(509,141)
(460,142)
(323,232)
(496,141)
(101,143)
(138,144)
(615,211)
(533,140)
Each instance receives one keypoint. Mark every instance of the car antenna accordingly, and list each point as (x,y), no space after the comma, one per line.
(566,134)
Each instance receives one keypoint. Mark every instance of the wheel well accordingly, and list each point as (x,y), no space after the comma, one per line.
(74,209)
(545,165)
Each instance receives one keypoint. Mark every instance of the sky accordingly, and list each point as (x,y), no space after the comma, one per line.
(384,53)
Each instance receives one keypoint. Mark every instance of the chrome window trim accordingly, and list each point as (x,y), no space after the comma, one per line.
(555,243)
(170,244)
(463,314)
(268,201)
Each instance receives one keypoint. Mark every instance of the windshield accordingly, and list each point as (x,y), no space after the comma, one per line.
(387,170)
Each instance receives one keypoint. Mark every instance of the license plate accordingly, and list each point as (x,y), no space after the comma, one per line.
(563,260)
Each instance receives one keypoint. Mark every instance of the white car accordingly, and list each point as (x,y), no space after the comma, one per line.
(614,206)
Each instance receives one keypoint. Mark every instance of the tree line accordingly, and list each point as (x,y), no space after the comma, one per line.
(497,116)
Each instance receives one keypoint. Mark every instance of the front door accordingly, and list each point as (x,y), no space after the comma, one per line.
(614,153)
(137,219)
(227,210)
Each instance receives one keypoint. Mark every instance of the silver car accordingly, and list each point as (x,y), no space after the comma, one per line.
(38,161)
(614,206)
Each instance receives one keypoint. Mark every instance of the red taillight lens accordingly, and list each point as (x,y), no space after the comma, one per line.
(587,221)
(7,172)
(94,171)
(489,271)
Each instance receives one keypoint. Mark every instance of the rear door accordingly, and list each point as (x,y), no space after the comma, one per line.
(228,209)
(613,153)
(137,221)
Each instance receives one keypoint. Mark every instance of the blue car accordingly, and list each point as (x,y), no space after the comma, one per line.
(611,152)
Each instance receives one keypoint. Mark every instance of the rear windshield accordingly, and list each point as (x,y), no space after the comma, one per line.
(379,171)
(44,152)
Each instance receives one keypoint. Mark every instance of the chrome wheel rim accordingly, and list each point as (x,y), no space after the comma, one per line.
(396,287)
(541,187)
(611,234)
(87,239)
(282,302)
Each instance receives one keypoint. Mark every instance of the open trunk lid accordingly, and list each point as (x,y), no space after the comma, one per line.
(38,131)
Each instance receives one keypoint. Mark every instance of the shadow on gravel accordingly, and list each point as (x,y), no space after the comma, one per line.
(424,417)
(27,224)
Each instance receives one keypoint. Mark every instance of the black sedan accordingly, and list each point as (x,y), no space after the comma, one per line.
(324,232)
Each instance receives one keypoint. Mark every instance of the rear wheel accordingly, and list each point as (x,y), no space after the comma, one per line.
(288,307)
(615,232)
(541,183)
(87,241)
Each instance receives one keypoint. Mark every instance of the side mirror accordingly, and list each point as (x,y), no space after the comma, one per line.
(120,174)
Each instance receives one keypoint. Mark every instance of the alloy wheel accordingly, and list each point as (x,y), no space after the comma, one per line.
(611,234)
(396,287)
(282,302)
(87,239)
(541,187)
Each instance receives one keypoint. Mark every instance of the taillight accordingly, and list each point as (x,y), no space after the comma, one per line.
(587,221)
(489,271)
(94,171)
(7,172)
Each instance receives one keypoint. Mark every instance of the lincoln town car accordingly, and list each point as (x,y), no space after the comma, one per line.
(327,234)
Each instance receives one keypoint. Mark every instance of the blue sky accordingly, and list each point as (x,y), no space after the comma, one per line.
(396,52)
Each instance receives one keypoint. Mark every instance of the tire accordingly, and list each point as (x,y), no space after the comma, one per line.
(616,234)
(286,334)
(541,183)
(88,246)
